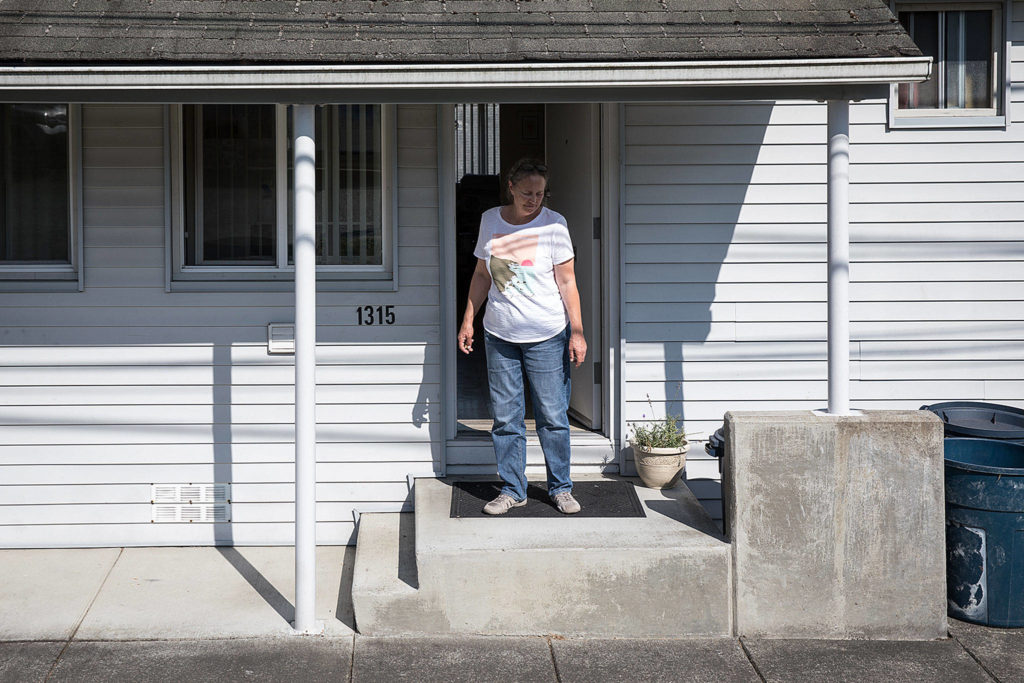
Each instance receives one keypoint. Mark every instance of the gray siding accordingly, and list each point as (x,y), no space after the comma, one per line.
(725,261)
(107,391)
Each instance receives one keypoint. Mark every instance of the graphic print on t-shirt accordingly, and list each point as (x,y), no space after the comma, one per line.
(513,262)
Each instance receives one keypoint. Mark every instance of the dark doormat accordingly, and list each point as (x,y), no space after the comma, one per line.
(608,498)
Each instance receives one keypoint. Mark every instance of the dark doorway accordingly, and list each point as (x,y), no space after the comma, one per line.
(489,139)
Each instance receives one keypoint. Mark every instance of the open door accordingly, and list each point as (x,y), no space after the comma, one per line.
(574,174)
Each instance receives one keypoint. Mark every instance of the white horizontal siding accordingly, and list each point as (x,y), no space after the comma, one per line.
(219,335)
(104,392)
(724,219)
(266,473)
(174,394)
(205,453)
(801,292)
(379,433)
(123,494)
(220,374)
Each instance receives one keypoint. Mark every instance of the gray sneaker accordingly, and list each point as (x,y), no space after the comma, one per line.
(565,503)
(502,504)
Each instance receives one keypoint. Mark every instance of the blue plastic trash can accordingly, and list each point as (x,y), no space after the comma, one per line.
(985,531)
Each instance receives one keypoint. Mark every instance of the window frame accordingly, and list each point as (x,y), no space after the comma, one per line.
(997,117)
(61,277)
(280,275)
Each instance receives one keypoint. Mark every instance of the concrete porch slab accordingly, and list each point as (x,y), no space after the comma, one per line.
(672,519)
(45,593)
(215,593)
(668,574)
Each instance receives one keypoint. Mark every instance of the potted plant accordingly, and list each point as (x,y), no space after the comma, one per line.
(659,451)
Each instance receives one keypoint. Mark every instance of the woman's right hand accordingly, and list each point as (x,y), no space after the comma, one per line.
(478,287)
(466,337)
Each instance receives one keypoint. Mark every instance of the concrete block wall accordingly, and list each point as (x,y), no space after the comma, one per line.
(837,524)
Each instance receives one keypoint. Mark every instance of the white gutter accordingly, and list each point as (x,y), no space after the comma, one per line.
(850,71)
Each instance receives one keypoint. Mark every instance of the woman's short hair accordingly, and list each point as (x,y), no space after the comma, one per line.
(527,167)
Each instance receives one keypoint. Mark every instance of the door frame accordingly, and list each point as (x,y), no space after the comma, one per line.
(613,199)
(610,188)
(579,174)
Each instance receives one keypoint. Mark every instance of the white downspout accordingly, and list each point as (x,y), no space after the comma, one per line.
(839,257)
(304,146)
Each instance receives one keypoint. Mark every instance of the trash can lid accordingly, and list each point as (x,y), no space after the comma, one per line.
(986,420)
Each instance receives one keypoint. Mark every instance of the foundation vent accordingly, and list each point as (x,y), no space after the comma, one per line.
(191,503)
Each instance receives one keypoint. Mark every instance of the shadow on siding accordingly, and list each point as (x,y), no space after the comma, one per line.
(681,220)
(223,534)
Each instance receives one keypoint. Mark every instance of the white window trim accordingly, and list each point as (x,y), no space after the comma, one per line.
(962,118)
(281,275)
(65,277)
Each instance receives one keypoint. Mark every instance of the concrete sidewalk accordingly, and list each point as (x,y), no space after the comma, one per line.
(161,614)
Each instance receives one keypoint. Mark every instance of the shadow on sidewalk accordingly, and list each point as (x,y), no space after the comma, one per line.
(343,611)
(259,583)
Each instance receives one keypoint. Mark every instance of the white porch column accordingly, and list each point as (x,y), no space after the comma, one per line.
(304,147)
(839,257)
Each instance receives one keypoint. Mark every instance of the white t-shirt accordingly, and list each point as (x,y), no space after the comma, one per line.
(524,304)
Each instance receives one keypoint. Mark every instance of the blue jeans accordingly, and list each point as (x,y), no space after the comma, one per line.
(546,364)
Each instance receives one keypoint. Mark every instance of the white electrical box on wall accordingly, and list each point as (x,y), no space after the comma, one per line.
(281,338)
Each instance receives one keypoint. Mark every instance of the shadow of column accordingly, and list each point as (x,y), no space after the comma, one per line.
(427,413)
(223,532)
(260,584)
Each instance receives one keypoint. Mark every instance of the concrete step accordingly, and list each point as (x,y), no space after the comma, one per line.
(386,598)
(668,574)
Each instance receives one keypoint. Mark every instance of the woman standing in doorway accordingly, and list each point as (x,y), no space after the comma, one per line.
(532,326)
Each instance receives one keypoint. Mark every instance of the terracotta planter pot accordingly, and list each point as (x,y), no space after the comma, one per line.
(660,468)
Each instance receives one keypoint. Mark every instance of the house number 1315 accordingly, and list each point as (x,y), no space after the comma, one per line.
(376,315)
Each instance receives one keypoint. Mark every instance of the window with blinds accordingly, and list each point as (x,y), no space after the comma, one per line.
(966,44)
(35,221)
(235,157)
(230,205)
(477,139)
(349,223)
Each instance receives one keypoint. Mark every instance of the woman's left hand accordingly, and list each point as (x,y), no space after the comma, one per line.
(565,278)
(577,348)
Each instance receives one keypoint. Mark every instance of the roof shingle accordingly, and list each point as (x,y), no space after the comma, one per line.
(442,31)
